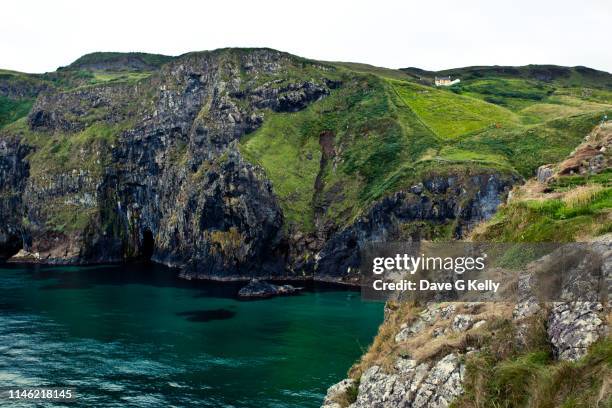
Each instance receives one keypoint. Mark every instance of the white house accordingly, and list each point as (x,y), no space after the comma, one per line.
(446,81)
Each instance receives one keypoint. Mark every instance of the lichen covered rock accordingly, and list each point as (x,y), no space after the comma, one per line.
(412,385)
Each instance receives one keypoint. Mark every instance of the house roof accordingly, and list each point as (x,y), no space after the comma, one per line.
(446,78)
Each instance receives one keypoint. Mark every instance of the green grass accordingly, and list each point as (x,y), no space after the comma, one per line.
(532,378)
(102,77)
(379,145)
(371,69)
(535,101)
(372,140)
(454,153)
(291,160)
(566,183)
(12,109)
(449,115)
(287,146)
(88,149)
(514,94)
(528,147)
(548,220)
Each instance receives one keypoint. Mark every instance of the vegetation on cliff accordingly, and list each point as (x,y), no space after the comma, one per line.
(573,202)
(12,110)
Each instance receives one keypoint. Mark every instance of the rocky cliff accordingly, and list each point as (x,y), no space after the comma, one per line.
(486,354)
(148,165)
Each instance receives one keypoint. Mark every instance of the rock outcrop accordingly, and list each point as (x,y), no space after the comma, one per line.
(562,306)
(14,173)
(337,394)
(413,385)
(573,327)
(592,156)
(576,318)
(257,289)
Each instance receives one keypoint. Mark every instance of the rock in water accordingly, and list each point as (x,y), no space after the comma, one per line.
(257,289)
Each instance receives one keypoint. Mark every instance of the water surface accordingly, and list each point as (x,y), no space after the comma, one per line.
(137,335)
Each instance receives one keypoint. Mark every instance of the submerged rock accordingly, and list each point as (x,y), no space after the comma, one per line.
(257,289)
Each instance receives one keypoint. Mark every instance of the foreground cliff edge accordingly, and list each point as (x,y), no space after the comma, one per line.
(521,354)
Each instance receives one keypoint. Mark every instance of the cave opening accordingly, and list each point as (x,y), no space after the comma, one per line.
(9,246)
(148,245)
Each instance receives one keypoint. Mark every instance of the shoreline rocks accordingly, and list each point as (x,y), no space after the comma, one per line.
(257,289)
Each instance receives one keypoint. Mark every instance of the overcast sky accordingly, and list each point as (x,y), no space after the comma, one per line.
(38,36)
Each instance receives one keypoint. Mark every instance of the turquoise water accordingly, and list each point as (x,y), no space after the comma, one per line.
(137,335)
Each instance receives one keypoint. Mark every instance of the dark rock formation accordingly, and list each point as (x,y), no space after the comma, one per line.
(257,289)
(173,172)
(14,171)
(463,201)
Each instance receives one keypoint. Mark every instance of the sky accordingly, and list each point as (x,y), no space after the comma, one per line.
(39,36)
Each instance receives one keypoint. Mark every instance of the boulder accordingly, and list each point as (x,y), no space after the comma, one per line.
(412,384)
(544,173)
(462,322)
(337,392)
(257,289)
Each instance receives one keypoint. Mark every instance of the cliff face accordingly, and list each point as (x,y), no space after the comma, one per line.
(453,201)
(151,168)
(13,178)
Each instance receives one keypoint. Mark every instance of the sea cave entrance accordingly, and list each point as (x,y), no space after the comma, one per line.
(148,245)
(10,244)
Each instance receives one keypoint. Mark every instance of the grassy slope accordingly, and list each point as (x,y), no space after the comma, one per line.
(513,124)
(554,220)
(13,109)
(449,115)
(504,375)
(388,129)
(552,74)
(567,208)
